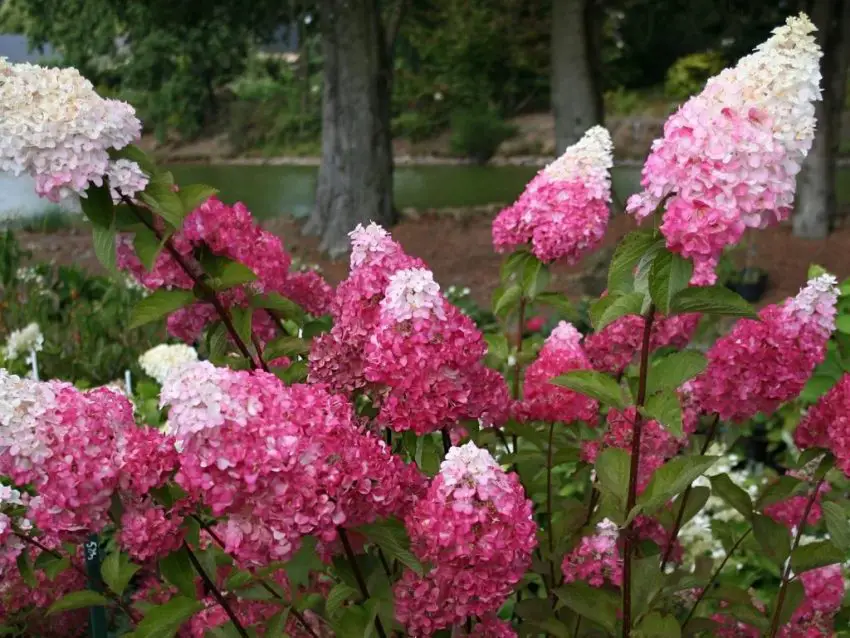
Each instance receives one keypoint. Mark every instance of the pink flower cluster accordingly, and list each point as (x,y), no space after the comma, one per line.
(429,358)
(474,526)
(760,364)
(316,470)
(492,627)
(396,335)
(790,511)
(563,212)
(229,232)
(824,588)
(827,424)
(543,401)
(614,347)
(596,559)
(149,531)
(729,156)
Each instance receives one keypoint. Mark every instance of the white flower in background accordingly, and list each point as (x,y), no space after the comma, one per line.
(29,276)
(56,128)
(24,341)
(162,360)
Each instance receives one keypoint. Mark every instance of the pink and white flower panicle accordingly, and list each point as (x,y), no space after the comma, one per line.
(729,156)
(563,212)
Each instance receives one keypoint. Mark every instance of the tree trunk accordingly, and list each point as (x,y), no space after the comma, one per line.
(355,179)
(576,98)
(817,208)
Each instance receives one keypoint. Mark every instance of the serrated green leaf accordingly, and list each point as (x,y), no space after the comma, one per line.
(664,407)
(656,625)
(303,562)
(78,600)
(597,605)
(159,195)
(514,264)
(671,479)
(159,304)
(103,241)
(773,538)
(506,300)
(337,598)
(781,489)
(242,322)
(117,571)
(559,302)
(837,524)
(294,373)
(716,300)
(147,247)
(52,565)
(697,498)
(626,256)
(734,496)
(535,278)
(231,274)
(177,569)
(276,626)
(842,324)
(163,621)
(672,371)
(814,555)
(611,307)
(25,569)
(669,275)
(594,384)
(391,536)
(97,206)
(612,472)
(285,346)
(794,596)
(193,195)
(497,346)
(280,304)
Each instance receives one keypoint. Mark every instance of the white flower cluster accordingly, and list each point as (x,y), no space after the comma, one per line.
(589,160)
(29,276)
(817,300)
(24,341)
(160,361)
(125,177)
(413,294)
(468,463)
(56,128)
(23,404)
(372,239)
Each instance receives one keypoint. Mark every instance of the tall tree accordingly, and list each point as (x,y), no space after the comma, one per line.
(817,207)
(576,93)
(355,182)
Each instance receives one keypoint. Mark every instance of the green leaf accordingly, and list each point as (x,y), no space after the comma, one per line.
(594,384)
(103,239)
(842,324)
(814,555)
(337,598)
(597,605)
(559,302)
(305,561)
(217,341)
(285,346)
(77,600)
(25,569)
(147,247)
(612,471)
(655,625)
(716,300)
(794,595)
(177,569)
(159,195)
(273,301)
(159,304)
(613,306)
(390,535)
(626,256)
(276,626)
(535,278)
(734,496)
(837,525)
(193,195)
(665,408)
(669,275)
(231,274)
(497,346)
(295,373)
(163,621)
(51,565)
(515,264)
(552,627)
(671,479)
(242,319)
(781,489)
(697,498)
(672,371)
(97,206)
(506,300)
(117,571)
(772,537)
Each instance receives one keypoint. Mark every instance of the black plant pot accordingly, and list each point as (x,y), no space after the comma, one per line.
(751,285)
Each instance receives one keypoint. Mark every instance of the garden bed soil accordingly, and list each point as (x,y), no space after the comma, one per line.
(458,248)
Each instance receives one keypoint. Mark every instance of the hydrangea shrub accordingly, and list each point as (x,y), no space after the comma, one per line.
(364,461)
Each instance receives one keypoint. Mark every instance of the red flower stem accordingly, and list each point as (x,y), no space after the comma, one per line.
(628,532)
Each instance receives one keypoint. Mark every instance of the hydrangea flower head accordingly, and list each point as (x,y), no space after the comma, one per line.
(596,559)
(367,242)
(761,364)
(413,294)
(827,424)
(545,401)
(814,618)
(161,360)
(56,128)
(729,156)
(563,212)
(27,339)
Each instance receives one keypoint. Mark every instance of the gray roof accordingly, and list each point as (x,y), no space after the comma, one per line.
(17,49)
